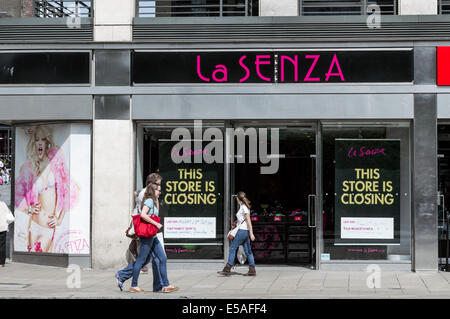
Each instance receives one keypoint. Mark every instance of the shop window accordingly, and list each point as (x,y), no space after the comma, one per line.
(444,192)
(348,7)
(6,142)
(443,7)
(197,8)
(191,203)
(366,186)
(45,68)
(63,8)
(46,9)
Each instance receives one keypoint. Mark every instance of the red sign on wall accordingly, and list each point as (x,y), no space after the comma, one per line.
(443,65)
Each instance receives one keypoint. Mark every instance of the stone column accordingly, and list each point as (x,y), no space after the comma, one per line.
(425,254)
(113,20)
(27,8)
(113,161)
(112,196)
(273,8)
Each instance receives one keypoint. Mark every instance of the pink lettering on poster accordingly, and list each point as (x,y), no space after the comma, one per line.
(365,152)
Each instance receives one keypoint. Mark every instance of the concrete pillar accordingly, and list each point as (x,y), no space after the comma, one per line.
(113,20)
(417,7)
(27,8)
(273,8)
(113,148)
(425,255)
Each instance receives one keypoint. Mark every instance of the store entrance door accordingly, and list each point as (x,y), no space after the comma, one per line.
(282,202)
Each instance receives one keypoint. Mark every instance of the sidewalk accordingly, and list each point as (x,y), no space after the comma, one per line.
(200,281)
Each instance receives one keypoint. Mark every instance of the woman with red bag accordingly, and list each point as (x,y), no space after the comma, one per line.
(153,190)
(159,263)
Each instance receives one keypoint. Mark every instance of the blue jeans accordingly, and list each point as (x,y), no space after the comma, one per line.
(159,266)
(242,238)
(133,269)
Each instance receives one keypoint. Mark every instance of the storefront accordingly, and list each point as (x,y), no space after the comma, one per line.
(340,191)
(329,143)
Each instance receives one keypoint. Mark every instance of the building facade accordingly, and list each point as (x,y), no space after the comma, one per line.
(346,101)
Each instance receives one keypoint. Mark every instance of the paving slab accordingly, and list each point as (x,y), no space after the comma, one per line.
(337,280)
(33,281)
(434,281)
(312,280)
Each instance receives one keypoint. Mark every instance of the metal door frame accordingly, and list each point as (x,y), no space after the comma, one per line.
(229,179)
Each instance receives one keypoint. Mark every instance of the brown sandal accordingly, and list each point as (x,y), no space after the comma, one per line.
(136,289)
(169,289)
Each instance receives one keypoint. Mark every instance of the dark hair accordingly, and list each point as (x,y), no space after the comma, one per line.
(151,187)
(152,178)
(243,198)
(149,193)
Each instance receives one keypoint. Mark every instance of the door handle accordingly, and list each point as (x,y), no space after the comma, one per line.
(311,212)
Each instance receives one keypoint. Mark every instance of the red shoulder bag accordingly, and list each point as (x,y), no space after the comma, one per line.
(144,229)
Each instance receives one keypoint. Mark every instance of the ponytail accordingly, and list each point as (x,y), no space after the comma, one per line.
(243,198)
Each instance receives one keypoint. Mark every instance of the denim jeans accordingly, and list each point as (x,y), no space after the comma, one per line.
(242,238)
(2,247)
(133,269)
(159,266)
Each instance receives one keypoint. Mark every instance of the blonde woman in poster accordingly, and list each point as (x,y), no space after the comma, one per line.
(43,189)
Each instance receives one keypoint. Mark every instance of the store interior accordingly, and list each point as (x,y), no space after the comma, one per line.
(279,201)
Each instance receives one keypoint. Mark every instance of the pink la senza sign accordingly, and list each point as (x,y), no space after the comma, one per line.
(273,67)
(287,62)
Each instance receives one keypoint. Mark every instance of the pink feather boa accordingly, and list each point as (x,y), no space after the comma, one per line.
(26,193)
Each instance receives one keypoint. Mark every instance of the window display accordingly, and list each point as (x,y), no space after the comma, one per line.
(191,198)
(366,182)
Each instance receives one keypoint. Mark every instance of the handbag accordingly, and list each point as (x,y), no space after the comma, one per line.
(232,233)
(130,232)
(144,229)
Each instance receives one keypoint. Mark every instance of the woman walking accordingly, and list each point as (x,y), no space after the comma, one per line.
(145,244)
(243,237)
(133,248)
(149,247)
(150,205)
(6,218)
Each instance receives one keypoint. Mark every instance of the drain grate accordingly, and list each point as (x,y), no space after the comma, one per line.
(13,286)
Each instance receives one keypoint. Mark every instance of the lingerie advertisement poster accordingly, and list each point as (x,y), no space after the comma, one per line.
(367,183)
(52,189)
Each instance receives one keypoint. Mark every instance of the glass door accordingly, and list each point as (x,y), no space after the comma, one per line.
(276,168)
